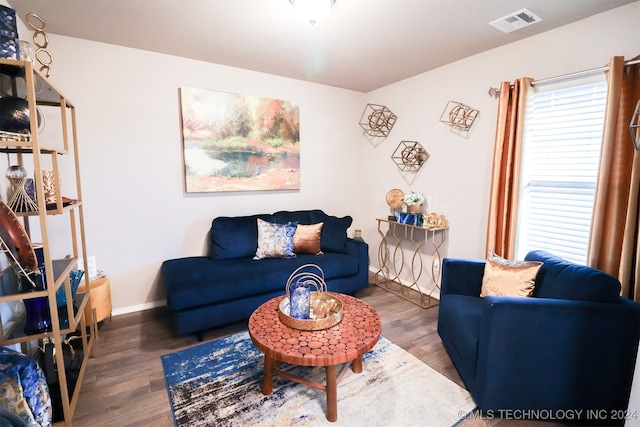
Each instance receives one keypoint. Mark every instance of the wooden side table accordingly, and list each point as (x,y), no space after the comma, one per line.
(346,342)
(100,298)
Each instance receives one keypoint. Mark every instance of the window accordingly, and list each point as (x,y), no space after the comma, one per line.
(562,139)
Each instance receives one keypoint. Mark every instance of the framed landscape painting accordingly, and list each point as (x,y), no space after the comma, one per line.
(239,143)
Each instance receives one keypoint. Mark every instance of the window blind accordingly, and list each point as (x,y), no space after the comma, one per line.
(562,140)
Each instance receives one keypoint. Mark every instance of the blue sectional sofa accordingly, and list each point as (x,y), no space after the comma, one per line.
(227,285)
(569,350)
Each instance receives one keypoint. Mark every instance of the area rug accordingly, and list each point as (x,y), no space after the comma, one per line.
(219,383)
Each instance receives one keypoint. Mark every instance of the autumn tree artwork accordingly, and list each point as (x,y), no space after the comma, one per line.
(239,143)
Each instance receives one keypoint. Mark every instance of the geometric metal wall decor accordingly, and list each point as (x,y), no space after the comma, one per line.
(458,115)
(409,156)
(377,120)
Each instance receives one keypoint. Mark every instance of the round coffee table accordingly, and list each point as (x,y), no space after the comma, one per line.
(345,342)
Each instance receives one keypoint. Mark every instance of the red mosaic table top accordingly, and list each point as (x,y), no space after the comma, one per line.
(355,335)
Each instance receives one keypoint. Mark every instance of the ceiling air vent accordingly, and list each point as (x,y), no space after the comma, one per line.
(515,21)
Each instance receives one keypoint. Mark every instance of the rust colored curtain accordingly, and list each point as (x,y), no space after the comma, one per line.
(615,247)
(507,150)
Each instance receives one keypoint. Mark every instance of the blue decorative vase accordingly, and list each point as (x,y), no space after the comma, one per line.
(38,316)
(300,301)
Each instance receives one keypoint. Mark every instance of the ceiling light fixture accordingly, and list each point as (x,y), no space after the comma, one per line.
(313,10)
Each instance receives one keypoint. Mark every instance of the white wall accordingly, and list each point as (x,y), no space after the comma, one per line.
(457,175)
(137,214)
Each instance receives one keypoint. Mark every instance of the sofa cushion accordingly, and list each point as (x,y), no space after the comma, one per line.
(562,279)
(198,281)
(235,237)
(307,239)
(334,231)
(508,278)
(275,240)
(301,217)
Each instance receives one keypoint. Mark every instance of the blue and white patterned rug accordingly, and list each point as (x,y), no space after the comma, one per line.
(219,383)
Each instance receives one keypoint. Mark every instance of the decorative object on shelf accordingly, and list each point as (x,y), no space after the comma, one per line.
(313,11)
(434,220)
(38,317)
(459,116)
(27,52)
(409,218)
(377,120)
(49,186)
(9,43)
(414,201)
(20,200)
(634,127)
(409,156)
(14,114)
(16,241)
(74,281)
(41,40)
(395,198)
(325,310)
(15,122)
(358,236)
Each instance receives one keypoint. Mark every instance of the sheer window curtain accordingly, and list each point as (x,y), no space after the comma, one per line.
(614,245)
(503,200)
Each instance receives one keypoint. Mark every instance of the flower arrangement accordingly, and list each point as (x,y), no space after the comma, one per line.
(413,198)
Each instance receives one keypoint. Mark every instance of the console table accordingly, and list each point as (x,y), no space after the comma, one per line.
(409,242)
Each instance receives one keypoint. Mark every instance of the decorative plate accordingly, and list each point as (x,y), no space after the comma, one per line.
(16,238)
(394,198)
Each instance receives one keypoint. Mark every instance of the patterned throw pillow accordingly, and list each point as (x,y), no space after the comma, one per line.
(509,278)
(307,239)
(23,388)
(275,240)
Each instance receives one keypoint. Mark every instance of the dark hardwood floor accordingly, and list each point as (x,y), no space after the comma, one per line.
(124,385)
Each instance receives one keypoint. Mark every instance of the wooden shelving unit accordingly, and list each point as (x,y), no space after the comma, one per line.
(27,82)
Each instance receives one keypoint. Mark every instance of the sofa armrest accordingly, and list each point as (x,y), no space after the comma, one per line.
(359,250)
(556,354)
(462,276)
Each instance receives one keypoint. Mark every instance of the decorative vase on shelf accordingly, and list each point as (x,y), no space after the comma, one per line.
(358,236)
(414,209)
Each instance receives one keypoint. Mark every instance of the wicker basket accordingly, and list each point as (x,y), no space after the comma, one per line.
(320,295)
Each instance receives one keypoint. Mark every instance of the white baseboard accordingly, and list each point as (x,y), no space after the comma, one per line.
(138,307)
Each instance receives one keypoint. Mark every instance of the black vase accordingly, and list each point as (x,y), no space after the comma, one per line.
(14,114)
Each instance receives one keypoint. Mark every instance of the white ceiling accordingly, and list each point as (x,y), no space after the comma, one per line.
(363,44)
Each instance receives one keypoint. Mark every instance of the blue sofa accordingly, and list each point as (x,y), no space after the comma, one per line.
(227,285)
(572,346)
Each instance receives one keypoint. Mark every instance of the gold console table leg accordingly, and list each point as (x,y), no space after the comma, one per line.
(388,276)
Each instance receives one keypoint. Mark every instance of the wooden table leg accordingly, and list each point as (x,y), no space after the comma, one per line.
(332,394)
(267,380)
(356,365)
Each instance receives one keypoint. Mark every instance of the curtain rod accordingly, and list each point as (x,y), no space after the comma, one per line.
(579,73)
(495,92)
